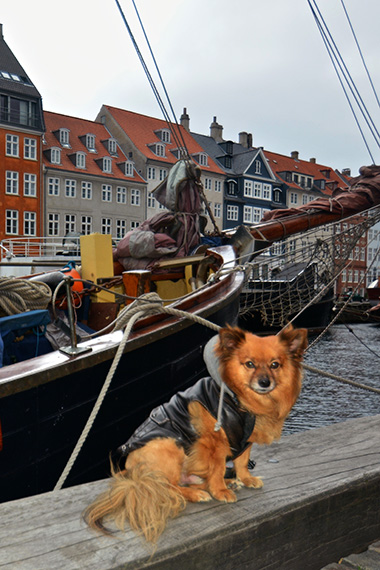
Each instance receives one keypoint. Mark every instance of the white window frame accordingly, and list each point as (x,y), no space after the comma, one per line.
(217,210)
(70,223)
(162,173)
(12,145)
(55,155)
(232,213)
(11,182)
(30,185)
(112,146)
(70,188)
(90,142)
(30,148)
(293,198)
(134,224)
(159,150)
(64,137)
(208,184)
(217,186)
(53,224)
(107,164)
(86,190)
(257,215)
(165,136)
(267,191)
(86,225)
(151,201)
(121,228)
(203,159)
(80,160)
(11,222)
(106,226)
(135,197)
(248,189)
(247,215)
(257,167)
(151,173)
(257,189)
(129,168)
(30,221)
(121,194)
(53,186)
(106,193)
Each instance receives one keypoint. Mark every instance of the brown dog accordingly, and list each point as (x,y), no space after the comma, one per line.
(179,454)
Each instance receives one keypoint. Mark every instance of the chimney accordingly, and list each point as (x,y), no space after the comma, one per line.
(245,139)
(346,171)
(313,160)
(294,154)
(216,131)
(185,120)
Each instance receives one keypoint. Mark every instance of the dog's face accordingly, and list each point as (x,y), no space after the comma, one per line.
(263,372)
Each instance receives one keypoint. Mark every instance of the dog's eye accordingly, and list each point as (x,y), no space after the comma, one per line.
(249,364)
(275,365)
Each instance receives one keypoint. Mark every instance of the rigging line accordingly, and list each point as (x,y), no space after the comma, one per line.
(346,74)
(160,76)
(341,82)
(145,67)
(360,340)
(361,54)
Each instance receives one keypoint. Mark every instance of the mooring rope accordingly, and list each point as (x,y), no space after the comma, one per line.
(340,379)
(138,311)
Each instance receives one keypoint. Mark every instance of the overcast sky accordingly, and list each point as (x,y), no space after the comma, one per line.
(257,65)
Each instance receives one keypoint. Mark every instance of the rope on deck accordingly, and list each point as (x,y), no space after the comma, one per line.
(20,295)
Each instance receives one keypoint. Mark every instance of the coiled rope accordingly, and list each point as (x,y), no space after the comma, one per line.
(20,295)
(143,306)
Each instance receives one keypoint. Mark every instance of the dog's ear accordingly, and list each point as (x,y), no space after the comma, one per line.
(295,339)
(230,338)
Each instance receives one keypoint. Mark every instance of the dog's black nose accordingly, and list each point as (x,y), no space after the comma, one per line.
(264,382)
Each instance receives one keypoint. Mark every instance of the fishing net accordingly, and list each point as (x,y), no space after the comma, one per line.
(299,271)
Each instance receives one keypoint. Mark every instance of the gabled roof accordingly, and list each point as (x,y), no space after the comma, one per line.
(142,131)
(78,129)
(13,78)
(281,163)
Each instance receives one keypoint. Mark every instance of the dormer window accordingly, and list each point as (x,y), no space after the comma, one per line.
(163,135)
(126,167)
(201,158)
(105,164)
(179,152)
(257,167)
(64,137)
(90,143)
(80,160)
(112,146)
(158,149)
(54,155)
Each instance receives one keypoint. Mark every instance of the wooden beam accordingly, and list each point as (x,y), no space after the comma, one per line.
(320,502)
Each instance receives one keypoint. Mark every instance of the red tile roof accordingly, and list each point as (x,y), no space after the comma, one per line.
(80,128)
(282,163)
(141,130)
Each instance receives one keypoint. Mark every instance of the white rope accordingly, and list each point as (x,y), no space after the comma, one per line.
(20,295)
(134,314)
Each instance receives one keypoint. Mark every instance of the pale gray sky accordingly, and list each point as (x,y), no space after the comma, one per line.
(258,66)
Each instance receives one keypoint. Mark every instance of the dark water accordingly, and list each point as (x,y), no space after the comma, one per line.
(324,401)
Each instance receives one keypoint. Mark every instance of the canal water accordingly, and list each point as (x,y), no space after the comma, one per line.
(354,355)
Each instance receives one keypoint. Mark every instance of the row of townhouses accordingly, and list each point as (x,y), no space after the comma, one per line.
(61,175)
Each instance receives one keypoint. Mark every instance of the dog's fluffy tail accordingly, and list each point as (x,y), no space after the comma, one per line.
(140,496)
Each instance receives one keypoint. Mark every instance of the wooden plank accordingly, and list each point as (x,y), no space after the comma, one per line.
(320,502)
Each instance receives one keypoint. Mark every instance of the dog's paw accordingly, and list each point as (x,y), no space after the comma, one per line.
(253,482)
(234,484)
(224,495)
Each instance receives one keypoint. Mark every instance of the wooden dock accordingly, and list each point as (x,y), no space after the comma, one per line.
(320,502)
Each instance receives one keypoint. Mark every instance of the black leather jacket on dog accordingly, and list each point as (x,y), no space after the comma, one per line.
(172,419)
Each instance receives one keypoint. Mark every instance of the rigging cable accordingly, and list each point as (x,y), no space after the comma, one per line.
(330,46)
(348,78)
(360,53)
(159,75)
(151,81)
